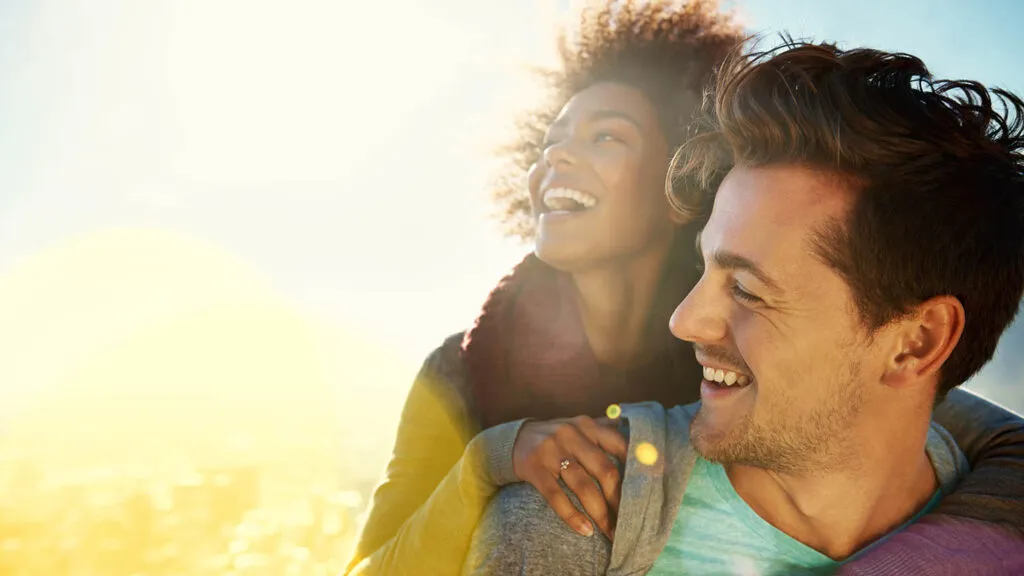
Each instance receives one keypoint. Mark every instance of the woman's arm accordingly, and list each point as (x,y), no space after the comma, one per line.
(979,528)
(423,513)
(992,438)
(941,545)
(435,539)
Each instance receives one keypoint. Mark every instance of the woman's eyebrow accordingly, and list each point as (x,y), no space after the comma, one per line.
(595,116)
(607,113)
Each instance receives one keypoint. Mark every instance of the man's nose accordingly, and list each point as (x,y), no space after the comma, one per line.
(701,316)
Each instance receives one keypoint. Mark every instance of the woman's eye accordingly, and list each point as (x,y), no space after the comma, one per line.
(605,137)
(742,294)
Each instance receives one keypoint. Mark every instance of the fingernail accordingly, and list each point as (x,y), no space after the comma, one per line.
(585,528)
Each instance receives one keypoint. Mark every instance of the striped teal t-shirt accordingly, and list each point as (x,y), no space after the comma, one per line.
(716,532)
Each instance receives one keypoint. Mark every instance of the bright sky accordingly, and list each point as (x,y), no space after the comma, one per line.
(256,217)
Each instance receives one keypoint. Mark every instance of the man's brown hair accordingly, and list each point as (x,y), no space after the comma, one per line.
(937,166)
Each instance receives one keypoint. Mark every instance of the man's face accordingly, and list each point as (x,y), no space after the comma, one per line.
(769,310)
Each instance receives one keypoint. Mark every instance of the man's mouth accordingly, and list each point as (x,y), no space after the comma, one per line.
(725,378)
(568,200)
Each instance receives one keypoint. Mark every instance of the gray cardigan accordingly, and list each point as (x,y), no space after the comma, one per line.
(520,534)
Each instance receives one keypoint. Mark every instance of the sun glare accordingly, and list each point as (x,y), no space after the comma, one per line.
(210,295)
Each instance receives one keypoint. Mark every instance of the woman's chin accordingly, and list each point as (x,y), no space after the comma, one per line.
(565,256)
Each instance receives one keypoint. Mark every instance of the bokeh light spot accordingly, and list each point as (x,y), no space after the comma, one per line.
(614,411)
(646,453)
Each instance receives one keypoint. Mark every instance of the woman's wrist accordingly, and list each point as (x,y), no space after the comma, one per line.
(494,446)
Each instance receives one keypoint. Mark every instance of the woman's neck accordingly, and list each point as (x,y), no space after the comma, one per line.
(615,303)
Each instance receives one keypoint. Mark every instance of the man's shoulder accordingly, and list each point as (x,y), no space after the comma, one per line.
(947,459)
(653,414)
(520,533)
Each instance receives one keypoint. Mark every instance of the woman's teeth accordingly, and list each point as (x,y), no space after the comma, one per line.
(727,377)
(568,199)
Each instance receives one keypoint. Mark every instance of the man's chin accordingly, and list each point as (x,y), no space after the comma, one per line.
(718,439)
(708,436)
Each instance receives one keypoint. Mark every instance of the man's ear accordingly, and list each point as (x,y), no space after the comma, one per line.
(926,339)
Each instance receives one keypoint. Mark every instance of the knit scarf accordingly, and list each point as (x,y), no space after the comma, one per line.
(527,355)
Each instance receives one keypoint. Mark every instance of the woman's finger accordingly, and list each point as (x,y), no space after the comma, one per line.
(604,435)
(592,500)
(548,487)
(596,463)
(602,469)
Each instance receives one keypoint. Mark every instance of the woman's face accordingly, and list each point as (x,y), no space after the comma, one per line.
(598,189)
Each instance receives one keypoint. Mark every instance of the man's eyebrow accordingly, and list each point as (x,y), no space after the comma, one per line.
(732,261)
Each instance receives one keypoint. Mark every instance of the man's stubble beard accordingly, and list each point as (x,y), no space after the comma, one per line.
(817,442)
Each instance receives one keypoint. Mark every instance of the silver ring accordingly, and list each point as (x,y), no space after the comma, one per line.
(564,464)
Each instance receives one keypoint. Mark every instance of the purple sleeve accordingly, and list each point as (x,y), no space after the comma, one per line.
(979,527)
(940,545)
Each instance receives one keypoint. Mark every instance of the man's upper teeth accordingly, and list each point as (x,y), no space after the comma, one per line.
(727,377)
(584,199)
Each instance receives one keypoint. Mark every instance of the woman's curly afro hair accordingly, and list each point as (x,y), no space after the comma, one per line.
(666,50)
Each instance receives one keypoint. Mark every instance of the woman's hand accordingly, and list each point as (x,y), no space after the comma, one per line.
(573,450)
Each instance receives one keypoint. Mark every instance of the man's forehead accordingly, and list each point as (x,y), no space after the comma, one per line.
(771,214)
(781,196)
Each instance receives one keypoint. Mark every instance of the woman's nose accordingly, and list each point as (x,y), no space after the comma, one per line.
(560,153)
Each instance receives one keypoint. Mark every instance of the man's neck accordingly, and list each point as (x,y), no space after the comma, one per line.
(615,302)
(840,512)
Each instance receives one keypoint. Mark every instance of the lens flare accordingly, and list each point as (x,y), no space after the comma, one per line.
(646,454)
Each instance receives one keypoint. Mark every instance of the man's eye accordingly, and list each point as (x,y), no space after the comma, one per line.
(605,137)
(742,294)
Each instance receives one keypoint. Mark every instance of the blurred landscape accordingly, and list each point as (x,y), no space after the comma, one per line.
(204,522)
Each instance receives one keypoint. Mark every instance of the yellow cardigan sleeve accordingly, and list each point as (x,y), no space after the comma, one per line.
(423,513)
